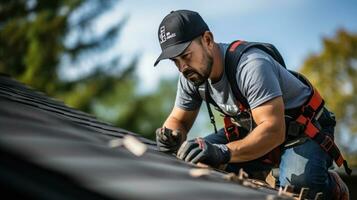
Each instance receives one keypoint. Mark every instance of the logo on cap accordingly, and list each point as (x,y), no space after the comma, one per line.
(177,30)
(165,36)
(162,34)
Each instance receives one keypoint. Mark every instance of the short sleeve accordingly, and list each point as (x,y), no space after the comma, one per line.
(258,82)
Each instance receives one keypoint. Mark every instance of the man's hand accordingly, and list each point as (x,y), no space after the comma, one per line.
(199,150)
(168,141)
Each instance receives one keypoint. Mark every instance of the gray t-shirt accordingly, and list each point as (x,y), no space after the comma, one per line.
(260,78)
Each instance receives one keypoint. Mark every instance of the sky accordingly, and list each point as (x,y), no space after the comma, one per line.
(295,27)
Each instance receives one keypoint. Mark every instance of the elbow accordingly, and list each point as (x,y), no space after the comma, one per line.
(278,132)
(281,135)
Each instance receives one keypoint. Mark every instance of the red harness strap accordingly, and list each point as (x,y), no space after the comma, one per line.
(232,133)
(230,129)
(309,114)
(235,45)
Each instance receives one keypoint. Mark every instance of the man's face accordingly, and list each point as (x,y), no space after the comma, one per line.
(195,63)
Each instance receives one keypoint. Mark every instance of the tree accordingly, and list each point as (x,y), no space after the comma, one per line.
(333,71)
(36,36)
(149,111)
(33,34)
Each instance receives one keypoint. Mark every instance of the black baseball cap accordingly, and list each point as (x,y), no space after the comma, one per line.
(176,32)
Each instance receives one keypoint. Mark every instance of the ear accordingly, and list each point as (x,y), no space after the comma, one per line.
(207,40)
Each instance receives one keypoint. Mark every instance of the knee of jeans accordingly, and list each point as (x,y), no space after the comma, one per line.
(316,182)
(310,180)
(310,175)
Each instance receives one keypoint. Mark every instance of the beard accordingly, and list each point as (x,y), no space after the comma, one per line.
(196,77)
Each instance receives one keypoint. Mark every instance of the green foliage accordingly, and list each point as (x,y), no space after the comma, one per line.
(37,35)
(145,113)
(33,33)
(333,71)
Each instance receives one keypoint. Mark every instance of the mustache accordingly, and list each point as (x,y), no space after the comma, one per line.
(187,71)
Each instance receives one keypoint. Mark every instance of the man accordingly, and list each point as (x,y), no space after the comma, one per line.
(268,88)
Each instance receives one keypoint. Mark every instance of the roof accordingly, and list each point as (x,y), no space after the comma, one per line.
(51,151)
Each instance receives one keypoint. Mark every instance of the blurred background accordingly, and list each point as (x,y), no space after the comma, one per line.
(98,55)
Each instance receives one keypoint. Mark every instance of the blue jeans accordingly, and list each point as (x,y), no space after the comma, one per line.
(305,165)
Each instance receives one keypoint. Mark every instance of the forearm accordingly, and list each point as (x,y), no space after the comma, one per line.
(264,138)
(177,126)
(181,120)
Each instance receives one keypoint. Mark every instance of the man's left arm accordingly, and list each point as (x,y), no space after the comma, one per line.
(259,83)
(268,134)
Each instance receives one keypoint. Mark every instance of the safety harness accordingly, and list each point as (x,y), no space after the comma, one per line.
(306,117)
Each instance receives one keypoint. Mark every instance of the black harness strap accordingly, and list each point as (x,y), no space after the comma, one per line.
(234,53)
(207,99)
(306,114)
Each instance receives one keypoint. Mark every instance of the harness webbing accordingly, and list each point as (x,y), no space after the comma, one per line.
(211,116)
(309,112)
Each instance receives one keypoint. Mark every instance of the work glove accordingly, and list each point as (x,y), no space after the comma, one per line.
(200,150)
(167,140)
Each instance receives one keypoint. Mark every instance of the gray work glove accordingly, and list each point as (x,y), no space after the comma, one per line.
(167,140)
(200,150)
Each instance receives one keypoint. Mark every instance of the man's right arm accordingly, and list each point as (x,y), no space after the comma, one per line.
(181,120)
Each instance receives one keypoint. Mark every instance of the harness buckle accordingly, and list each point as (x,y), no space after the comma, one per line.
(308,112)
(295,129)
(327,143)
(230,129)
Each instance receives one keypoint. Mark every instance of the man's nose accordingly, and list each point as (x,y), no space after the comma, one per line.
(182,66)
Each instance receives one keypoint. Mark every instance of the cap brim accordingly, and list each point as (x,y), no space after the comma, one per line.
(172,51)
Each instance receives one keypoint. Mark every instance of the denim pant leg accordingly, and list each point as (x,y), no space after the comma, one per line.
(306,165)
(217,138)
(250,167)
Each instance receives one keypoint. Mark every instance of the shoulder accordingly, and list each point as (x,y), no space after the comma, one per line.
(257,71)
(258,77)
(253,55)
(255,62)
